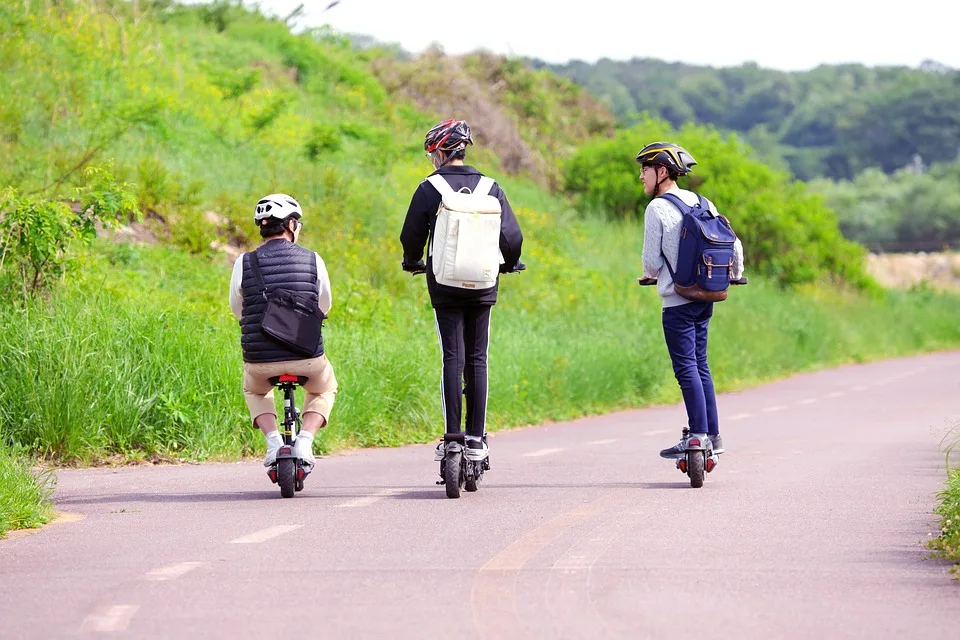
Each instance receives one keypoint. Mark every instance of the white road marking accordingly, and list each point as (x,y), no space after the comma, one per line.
(173,571)
(807,401)
(776,407)
(836,394)
(607,441)
(860,387)
(541,452)
(658,432)
(366,501)
(112,618)
(740,416)
(266,534)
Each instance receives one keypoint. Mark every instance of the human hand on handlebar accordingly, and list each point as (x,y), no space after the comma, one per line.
(517,269)
(415,268)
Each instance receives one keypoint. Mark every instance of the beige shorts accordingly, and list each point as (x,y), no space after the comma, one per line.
(321,387)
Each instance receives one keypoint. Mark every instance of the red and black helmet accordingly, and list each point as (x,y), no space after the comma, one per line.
(448,136)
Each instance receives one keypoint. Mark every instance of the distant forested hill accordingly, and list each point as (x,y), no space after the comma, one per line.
(832,121)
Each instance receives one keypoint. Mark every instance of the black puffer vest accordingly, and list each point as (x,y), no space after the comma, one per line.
(284,265)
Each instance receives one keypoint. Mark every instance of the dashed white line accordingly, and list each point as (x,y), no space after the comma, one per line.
(860,387)
(173,571)
(740,416)
(607,441)
(837,394)
(266,534)
(366,501)
(658,432)
(112,618)
(777,407)
(541,452)
(807,401)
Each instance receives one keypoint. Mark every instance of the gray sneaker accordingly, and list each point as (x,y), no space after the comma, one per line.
(677,450)
(717,443)
(680,449)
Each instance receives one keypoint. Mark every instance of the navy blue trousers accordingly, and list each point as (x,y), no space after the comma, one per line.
(685,330)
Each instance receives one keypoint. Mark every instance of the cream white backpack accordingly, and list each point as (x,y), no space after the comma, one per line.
(466,239)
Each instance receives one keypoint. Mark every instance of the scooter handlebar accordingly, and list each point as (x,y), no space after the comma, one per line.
(646,282)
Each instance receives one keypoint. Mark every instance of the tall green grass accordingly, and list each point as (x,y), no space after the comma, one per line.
(947,545)
(139,356)
(24,494)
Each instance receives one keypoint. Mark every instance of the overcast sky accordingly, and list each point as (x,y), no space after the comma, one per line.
(788,36)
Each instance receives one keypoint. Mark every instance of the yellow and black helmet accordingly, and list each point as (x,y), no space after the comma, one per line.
(672,156)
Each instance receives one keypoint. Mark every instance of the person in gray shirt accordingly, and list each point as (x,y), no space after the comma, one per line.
(685,322)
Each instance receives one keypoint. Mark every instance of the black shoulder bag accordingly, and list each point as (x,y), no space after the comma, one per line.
(288,318)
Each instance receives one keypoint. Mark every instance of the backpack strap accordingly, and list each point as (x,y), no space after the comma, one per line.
(680,204)
(484,186)
(440,184)
(685,209)
(255,266)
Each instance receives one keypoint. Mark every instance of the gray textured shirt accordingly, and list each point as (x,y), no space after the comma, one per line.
(661,237)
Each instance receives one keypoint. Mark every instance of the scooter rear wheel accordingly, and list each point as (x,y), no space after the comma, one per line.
(287,476)
(695,468)
(452,474)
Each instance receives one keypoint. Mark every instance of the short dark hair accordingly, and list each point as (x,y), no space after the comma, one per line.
(673,175)
(458,155)
(271,227)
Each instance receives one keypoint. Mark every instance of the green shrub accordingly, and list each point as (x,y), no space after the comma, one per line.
(787,232)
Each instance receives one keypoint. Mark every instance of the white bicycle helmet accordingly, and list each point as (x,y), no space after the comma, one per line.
(276,205)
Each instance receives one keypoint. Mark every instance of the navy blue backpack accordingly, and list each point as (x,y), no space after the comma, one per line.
(705,263)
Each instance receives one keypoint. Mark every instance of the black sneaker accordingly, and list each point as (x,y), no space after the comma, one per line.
(717,443)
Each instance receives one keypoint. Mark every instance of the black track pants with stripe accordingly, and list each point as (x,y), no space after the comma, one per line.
(464,337)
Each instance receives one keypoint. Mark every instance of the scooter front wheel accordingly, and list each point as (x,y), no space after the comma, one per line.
(474,469)
(695,468)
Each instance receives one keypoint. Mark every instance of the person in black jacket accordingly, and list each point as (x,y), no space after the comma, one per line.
(284,264)
(462,315)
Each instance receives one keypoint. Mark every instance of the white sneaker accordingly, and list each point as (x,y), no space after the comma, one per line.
(274,442)
(479,453)
(304,448)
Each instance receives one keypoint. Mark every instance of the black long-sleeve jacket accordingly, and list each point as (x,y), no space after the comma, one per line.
(419,226)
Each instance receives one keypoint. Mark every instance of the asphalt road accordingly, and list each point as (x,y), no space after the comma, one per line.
(812,526)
